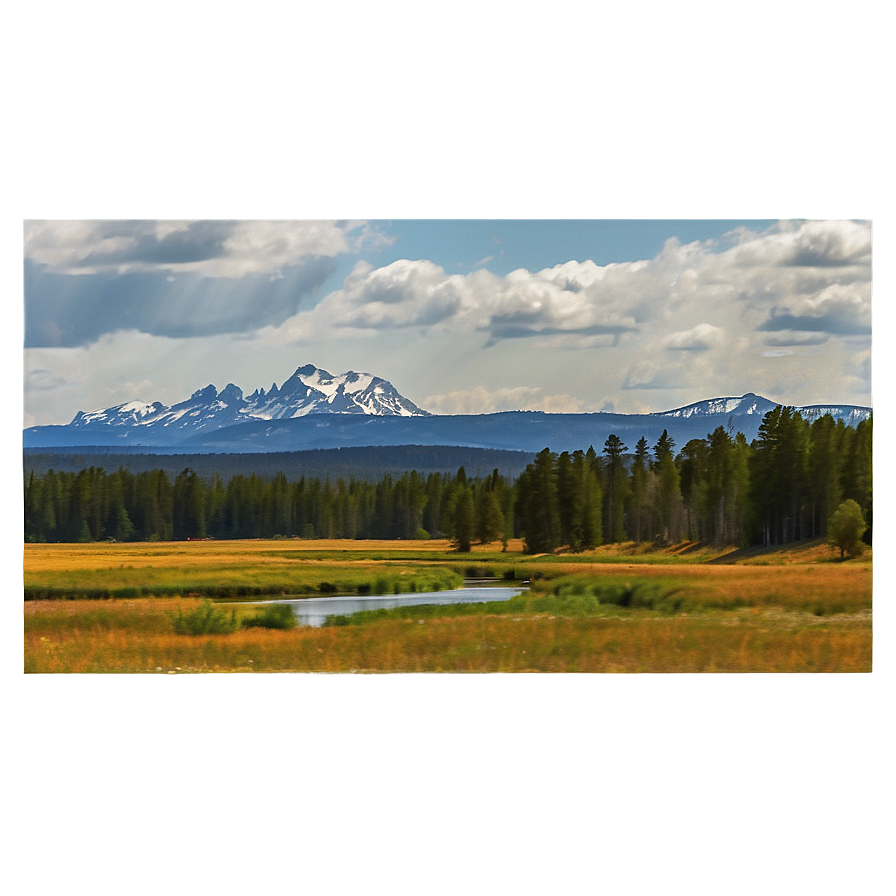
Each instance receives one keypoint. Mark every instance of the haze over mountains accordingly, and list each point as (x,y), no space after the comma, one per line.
(314,409)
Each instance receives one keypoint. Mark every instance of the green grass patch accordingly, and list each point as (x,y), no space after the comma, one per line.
(243,581)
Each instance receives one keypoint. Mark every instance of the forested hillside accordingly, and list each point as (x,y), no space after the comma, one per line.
(367,463)
(784,486)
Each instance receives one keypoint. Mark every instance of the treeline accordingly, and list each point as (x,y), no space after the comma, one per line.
(93,505)
(784,486)
(368,463)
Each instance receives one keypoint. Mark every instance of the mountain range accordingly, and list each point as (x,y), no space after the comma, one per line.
(309,390)
(314,409)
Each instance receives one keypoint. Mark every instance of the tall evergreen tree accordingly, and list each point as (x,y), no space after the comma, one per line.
(669,493)
(589,506)
(638,495)
(615,489)
(857,471)
(825,466)
(464,518)
(489,516)
(537,504)
(569,502)
(693,476)
(216,498)
(780,475)
(433,508)
(189,506)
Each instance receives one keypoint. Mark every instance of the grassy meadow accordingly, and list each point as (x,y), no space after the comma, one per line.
(113,608)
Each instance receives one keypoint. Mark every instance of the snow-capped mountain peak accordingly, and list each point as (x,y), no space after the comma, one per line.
(750,403)
(310,390)
(129,413)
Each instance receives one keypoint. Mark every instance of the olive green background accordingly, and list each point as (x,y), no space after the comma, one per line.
(269,784)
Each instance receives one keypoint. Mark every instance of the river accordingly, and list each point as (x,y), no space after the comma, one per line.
(314,611)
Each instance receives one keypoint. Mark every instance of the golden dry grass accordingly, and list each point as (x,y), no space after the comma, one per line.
(277,567)
(199,554)
(184,554)
(841,586)
(788,616)
(80,636)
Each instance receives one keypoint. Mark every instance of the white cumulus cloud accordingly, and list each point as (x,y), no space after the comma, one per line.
(810,276)
(480,400)
(701,337)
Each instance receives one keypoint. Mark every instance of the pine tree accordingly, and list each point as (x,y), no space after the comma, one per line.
(780,475)
(464,518)
(189,505)
(124,528)
(693,482)
(719,496)
(638,493)
(825,466)
(569,502)
(857,471)
(537,504)
(615,490)
(590,504)
(433,509)
(489,516)
(216,498)
(669,493)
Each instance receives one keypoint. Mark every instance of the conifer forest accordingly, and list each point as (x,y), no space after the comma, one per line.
(784,486)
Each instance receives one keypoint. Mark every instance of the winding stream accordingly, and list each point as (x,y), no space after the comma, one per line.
(314,611)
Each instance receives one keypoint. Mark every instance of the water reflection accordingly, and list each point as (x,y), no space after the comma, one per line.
(314,611)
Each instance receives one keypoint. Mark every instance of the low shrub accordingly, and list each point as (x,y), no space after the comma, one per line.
(273,616)
(645,595)
(204,620)
(821,609)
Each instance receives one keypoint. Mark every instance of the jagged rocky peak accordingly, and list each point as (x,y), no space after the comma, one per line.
(296,383)
(310,390)
(231,393)
(313,390)
(209,393)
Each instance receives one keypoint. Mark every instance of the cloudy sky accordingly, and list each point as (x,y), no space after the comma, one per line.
(462,316)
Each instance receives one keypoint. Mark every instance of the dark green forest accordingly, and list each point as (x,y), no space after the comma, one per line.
(785,486)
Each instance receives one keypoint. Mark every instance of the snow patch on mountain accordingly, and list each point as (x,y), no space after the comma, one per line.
(745,404)
(752,404)
(851,415)
(128,414)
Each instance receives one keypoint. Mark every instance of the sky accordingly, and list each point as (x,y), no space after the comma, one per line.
(462,316)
